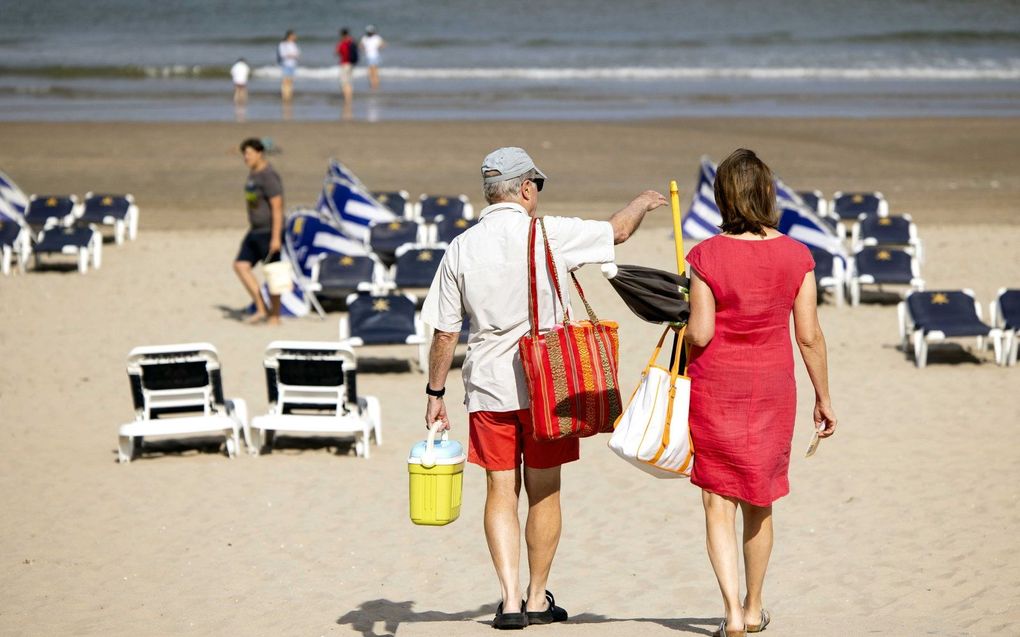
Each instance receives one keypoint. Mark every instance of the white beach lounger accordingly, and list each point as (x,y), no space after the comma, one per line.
(313,389)
(169,380)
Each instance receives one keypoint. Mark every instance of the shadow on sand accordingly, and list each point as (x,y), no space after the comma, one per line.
(391,615)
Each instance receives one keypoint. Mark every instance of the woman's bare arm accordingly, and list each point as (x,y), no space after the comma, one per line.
(701,325)
(811,342)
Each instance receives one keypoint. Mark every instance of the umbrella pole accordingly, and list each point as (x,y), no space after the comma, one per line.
(678,237)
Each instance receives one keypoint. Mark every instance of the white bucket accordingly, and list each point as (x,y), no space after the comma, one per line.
(279,277)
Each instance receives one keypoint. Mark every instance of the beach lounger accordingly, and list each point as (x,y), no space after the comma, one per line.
(384,238)
(432,208)
(48,211)
(416,266)
(449,228)
(1005,315)
(15,245)
(891,230)
(850,206)
(830,273)
(178,391)
(937,315)
(384,319)
(313,389)
(118,211)
(85,243)
(814,200)
(399,201)
(336,276)
(883,266)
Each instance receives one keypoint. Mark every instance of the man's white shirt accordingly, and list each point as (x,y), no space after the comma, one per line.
(484,275)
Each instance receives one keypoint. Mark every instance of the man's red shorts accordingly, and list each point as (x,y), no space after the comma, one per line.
(499,439)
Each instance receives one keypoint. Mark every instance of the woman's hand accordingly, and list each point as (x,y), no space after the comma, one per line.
(824,415)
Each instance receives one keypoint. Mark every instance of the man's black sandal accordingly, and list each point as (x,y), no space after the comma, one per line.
(550,615)
(510,621)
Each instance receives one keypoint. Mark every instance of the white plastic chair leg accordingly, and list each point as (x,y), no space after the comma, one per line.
(125,449)
(1011,351)
(97,251)
(374,413)
(83,260)
(119,230)
(920,349)
(133,224)
(839,293)
(855,293)
(423,361)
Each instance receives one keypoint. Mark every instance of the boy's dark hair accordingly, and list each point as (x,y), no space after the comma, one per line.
(289,33)
(254,143)
(344,32)
(746,194)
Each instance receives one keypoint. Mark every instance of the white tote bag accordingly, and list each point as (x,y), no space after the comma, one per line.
(652,432)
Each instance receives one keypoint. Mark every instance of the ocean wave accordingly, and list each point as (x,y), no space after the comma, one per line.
(983,72)
(58,72)
(973,70)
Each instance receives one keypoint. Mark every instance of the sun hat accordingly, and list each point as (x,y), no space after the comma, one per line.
(510,162)
(370,29)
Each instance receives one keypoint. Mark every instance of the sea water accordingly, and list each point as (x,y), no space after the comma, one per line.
(478,59)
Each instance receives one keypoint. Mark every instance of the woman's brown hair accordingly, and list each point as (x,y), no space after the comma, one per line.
(746,194)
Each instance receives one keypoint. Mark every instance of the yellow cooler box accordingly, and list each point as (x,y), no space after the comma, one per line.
(436,477)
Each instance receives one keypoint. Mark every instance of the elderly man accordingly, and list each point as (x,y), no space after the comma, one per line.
(484,276)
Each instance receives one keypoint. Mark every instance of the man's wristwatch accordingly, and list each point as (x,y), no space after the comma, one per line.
(438,393)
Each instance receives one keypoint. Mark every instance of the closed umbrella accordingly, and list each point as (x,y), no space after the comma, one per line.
(655,295)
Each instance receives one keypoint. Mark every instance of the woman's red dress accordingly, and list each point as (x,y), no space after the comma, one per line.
(743,393)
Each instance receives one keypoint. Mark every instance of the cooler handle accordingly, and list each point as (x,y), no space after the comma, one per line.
(428,459)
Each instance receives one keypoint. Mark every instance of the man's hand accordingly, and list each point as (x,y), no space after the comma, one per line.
(436,410)
(649,200)
(274,245)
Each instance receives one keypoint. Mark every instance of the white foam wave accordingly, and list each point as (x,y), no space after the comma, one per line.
(984,72)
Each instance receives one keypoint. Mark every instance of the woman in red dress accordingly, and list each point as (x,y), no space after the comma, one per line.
(745,283)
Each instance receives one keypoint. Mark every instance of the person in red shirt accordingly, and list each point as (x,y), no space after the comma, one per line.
(347,53)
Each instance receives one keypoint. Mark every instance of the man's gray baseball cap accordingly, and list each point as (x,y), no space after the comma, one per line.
(510,162)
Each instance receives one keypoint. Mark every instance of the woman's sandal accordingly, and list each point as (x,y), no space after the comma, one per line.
(723,632)
(765,619)
(509,621)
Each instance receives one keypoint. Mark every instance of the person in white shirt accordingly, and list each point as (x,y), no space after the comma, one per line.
(372,43)
(287,54)
(240,73)
(484,276)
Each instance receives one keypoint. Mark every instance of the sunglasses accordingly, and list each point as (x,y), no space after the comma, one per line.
(539,182)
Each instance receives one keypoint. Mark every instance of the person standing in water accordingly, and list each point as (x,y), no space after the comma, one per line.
(372,43)
(287,55)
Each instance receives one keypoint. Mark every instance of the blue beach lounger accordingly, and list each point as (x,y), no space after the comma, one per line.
(313,389)
(48,211)
(15,245)
(883,266)
(384,238)
(396,200)
(937,315)
(178,391)
(813,199)
(339,275)
(1005,315)
(384,319)
(83,242)
(431,208)
(118,211)
(851,205)
(449,228)
(416,265)
(891,230)
(830,273)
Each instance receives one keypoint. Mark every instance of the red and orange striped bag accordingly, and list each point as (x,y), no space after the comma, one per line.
(570,369)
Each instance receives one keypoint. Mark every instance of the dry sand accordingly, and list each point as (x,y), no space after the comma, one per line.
(903,523)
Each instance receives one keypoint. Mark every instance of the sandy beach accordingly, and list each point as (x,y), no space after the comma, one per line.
(903,523)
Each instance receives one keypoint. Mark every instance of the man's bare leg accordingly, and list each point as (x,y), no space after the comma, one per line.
(503,533)
(274,309)
(251,285)
(542,531)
